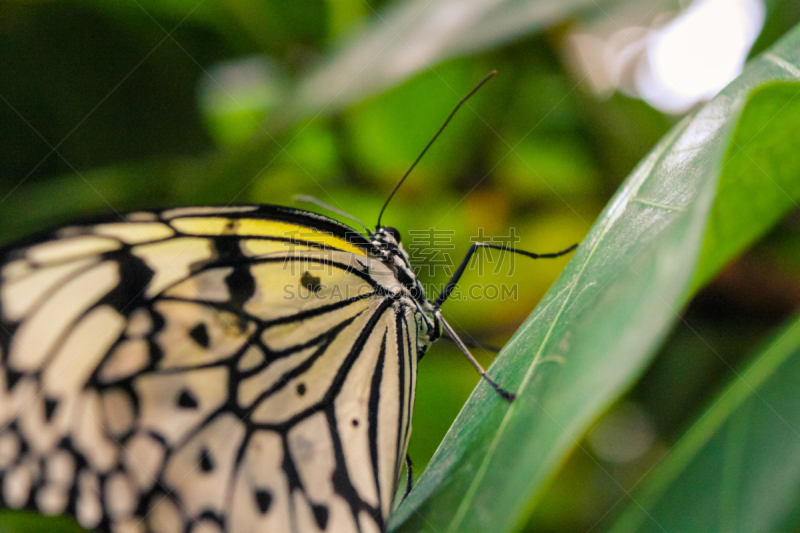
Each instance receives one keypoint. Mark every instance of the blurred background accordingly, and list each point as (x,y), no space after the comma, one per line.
(107,107)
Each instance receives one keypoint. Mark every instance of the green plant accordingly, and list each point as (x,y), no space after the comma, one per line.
(113,126)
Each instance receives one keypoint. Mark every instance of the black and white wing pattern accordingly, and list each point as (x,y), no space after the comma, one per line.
(244,369)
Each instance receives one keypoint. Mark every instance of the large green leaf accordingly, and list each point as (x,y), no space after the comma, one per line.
(739,464)
(596,329)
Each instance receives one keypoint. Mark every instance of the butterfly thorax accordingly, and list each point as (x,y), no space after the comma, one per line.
(386,241)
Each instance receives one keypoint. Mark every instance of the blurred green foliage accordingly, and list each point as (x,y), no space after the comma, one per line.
(113,106)
(749,432)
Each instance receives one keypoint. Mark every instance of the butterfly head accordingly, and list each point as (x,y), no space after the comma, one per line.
(386,240)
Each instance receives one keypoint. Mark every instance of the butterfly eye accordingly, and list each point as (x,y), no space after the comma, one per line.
(393,232)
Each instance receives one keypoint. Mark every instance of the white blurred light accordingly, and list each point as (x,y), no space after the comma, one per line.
(674,64)
(698,53)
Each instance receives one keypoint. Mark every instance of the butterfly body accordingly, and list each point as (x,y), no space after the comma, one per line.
(237,369)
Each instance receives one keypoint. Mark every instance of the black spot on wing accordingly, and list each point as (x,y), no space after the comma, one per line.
(205,461)
(187,399)
(321,516)
(263,499)
(301,389)
(199,334)
(312,283)
(50,405)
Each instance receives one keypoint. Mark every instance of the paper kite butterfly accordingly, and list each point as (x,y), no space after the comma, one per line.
(236,369)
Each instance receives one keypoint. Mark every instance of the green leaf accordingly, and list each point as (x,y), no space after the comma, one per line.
(759,182)
(412,36)
(596,329)
(739,464)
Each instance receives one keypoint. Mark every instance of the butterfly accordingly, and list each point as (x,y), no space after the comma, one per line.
(232,369)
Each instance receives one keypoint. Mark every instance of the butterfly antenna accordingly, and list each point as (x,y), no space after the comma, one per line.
(304,198)
(441,129)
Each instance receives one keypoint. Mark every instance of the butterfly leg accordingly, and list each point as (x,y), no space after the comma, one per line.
(500,390)
(451,285)
(474,248)
(473,344)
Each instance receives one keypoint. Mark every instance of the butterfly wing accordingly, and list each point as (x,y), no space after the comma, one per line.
(200,370)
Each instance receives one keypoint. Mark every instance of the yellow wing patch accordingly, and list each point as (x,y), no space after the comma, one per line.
(251,227)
